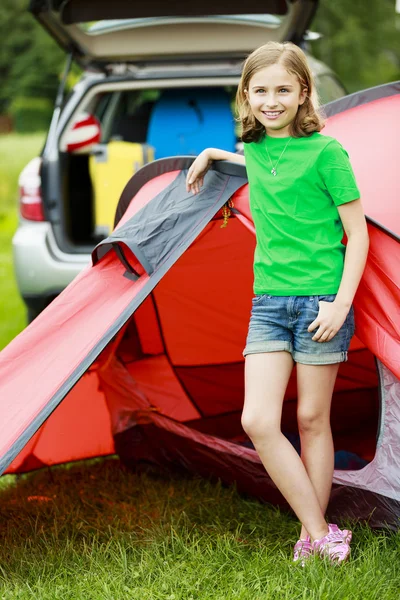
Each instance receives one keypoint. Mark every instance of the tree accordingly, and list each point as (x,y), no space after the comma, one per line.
(30,61)
(361,42)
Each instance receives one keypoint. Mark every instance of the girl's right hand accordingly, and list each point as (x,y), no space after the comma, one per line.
(195,176)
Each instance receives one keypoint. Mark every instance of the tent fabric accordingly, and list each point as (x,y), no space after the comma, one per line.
(375,474)
(159,167)
(151,366)
(373,150)
(90,290)
(168,220)
(357,99)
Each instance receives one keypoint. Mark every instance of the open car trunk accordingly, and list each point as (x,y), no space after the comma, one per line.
(99,32)
(135,124)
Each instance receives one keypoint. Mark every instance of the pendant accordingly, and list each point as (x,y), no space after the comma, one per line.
(273,171)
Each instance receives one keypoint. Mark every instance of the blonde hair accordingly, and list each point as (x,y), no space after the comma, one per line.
(308,118)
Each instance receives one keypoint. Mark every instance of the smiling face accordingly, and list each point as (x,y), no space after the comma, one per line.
(274,96)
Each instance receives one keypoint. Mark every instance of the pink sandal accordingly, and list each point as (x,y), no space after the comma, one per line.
(302,551)
(335,545)
(346,533)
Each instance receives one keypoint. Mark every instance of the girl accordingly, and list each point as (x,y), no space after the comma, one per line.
(302,195)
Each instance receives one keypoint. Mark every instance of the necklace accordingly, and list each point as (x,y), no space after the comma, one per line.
(273,170)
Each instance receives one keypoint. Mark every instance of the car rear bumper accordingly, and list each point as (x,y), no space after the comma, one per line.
(42,270)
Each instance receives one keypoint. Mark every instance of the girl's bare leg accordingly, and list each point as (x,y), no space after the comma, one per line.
(266,378)
(315,385)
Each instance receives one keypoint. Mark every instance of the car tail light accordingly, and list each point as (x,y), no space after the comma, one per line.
(30,193)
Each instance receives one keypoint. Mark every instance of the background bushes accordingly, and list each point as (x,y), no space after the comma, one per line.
(30,114)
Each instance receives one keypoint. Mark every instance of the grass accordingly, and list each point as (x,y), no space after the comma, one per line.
(96,531)
(99,531)
(15,152)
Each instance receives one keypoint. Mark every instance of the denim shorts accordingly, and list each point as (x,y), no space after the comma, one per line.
(281,322)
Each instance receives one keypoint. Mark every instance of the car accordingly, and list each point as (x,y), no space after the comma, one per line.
(153,85)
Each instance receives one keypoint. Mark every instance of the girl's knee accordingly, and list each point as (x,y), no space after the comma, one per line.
(312,422)
(258,426)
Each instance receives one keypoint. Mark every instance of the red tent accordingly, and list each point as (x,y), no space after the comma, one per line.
(142,353)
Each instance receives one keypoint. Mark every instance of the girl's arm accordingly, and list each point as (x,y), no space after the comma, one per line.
(355,226)
(332,315)
(200,166)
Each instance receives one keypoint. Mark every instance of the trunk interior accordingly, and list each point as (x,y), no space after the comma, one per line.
(136,126)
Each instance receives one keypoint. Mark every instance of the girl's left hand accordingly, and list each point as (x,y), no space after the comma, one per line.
(331,317)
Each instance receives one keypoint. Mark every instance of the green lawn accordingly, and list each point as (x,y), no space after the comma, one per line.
(15,152)
(95,531)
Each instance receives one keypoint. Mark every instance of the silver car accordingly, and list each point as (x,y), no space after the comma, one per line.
(154,85)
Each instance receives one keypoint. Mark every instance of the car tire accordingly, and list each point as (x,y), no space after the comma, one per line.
(35,305)
(31,314)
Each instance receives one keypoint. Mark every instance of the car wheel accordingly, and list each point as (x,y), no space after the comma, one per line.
(34,306)
(31,314)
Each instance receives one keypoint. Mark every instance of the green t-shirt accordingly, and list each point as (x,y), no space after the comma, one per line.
(299,233)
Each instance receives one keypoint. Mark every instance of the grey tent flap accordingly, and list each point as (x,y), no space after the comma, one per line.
(167,221)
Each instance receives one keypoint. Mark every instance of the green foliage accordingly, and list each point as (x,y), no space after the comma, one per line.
(361,41)
(15,152)
(30,60)
(12,307)
(31,114)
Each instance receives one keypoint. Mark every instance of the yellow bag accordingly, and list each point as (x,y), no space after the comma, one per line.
(111,166)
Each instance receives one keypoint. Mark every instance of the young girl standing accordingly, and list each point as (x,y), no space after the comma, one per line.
(302,195)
